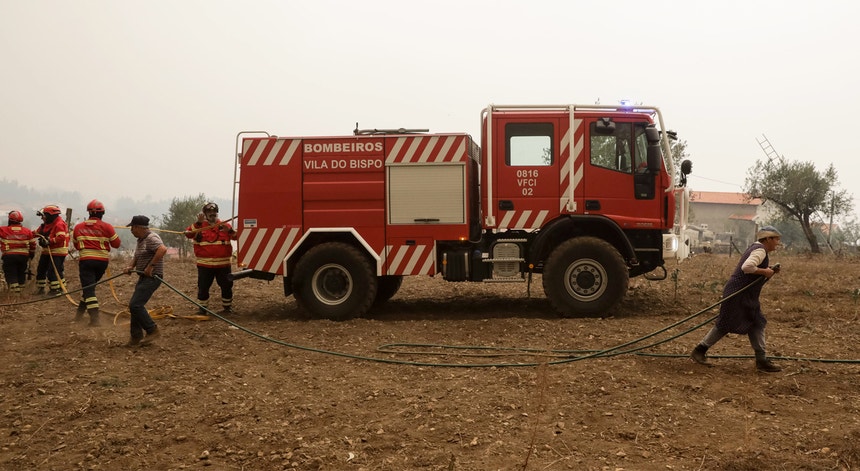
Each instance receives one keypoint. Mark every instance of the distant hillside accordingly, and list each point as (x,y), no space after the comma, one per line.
(119,210)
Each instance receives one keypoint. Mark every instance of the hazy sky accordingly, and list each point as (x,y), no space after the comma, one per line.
(119,98)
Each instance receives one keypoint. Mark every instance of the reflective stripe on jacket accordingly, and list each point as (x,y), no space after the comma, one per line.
(94,238)
(17,240)
(57,234)
(213,249)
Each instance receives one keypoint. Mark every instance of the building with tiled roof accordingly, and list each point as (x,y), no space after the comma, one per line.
(723,197)
(727,216)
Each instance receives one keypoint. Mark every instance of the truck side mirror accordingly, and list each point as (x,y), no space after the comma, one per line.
(655,154)
(686,169)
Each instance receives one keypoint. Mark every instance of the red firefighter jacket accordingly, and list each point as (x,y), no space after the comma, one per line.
(16,239)
(57,233)
(94,238)
(212,246)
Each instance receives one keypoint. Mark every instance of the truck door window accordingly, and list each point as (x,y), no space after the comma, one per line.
(611,147)
(529,144)
(643,180)
(640,158)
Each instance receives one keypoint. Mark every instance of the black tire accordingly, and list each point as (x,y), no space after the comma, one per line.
(585,277)
(387,288)
(335,281)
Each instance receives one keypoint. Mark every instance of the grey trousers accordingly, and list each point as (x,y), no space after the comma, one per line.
(756,336)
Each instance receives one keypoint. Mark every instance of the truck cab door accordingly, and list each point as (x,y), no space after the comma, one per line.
(526,172)
(618,182)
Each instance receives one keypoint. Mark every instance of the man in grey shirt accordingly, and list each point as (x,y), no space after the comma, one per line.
(148,263)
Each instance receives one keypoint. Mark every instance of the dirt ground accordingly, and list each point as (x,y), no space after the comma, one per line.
(278,390)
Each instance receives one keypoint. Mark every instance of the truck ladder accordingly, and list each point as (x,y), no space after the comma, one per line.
(768,149)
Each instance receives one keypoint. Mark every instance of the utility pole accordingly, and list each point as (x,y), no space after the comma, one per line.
(830,229)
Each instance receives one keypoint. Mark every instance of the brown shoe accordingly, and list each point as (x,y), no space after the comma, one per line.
(767,366)
(151,336)
(133,342)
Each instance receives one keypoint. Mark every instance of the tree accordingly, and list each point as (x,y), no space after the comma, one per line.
(847,236)
(679,153)
(800,191)
(182,212)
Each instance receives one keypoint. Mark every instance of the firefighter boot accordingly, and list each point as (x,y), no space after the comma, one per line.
(763,364)
(79,314)
(698,355)
(94,317)
(150,336)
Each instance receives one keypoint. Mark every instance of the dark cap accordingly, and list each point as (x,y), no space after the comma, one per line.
(139,221)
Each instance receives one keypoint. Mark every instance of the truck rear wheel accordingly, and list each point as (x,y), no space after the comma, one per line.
(387,287)
(585,277)
(334,281)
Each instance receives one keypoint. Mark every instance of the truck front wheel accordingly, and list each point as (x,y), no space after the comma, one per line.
(334,281)
(585,276)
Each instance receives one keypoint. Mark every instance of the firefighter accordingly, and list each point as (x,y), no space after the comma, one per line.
(18,245)
(93,239)
(213,250)
(53,236)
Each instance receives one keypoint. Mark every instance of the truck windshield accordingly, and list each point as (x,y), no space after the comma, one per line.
(612,149)
(623,149)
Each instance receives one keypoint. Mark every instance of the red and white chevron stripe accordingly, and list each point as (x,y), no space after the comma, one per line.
(527,219)
(568,185)
(411,259)
(265,249)
(269,151)
(420,149)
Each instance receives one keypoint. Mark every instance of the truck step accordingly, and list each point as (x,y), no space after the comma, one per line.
(504,259)
(512,279)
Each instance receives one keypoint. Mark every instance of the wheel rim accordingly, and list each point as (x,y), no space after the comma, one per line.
(332,284)
(585,279)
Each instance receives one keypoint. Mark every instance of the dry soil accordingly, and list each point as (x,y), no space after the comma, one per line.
(271,389)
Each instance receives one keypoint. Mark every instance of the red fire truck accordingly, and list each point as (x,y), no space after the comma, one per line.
(581,194)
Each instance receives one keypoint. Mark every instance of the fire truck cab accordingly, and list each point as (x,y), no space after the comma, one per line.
(581,194)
